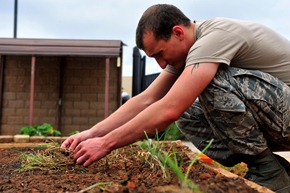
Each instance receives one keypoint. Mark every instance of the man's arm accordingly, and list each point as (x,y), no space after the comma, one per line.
(135,105)
(126,112)
(168,109)
(156,116)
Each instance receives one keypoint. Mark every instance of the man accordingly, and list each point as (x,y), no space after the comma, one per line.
(238,70)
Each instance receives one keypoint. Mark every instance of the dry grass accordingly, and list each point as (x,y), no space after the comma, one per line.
(48,157)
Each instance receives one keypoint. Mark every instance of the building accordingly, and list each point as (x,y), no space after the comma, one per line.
(71,84)
(127,85)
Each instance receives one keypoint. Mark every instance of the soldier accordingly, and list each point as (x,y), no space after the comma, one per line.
(222,79)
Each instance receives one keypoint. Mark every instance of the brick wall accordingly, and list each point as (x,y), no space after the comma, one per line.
(84,97)
(83,86)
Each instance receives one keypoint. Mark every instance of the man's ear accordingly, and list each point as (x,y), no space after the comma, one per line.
(178,32)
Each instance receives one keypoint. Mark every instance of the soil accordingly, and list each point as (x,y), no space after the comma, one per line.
(128,169)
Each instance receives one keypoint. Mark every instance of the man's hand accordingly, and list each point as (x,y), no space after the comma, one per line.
(86,149)
(90,150)
(72,142)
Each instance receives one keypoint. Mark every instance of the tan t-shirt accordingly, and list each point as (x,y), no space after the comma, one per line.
(242,44)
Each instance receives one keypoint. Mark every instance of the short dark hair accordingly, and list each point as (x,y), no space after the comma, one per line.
(160,19)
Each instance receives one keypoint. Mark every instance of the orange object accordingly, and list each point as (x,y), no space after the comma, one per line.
(205,158)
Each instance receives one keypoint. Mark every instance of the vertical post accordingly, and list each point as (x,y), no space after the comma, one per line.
(107,79)
(31,107)
(60,92)
(15,18)
(2,65)
(119,76)
(136,72)
(142,74)
(139,64)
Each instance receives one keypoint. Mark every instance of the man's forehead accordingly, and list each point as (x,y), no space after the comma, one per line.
(149,42)
(148,35)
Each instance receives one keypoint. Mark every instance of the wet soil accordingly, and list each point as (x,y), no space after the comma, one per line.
(128,169)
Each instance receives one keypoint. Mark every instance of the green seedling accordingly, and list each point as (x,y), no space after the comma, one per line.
(164,159)
(153,155)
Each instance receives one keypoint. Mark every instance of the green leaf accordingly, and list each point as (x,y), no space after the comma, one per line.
(28,130)
(45,129)
(56,132)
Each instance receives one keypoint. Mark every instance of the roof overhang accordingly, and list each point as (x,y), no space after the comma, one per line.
(61,47)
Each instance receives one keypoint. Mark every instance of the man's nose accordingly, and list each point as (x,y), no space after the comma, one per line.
(162,63)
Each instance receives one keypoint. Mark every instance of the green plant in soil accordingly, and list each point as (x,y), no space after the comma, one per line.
(167,160)
(73,133)
(152,156)
(171,133)
(45,129)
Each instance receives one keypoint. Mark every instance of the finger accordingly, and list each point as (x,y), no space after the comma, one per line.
(73,145)
(78,147)
(88,162)
(78,152)
(82,159)
(66,143)
(93,158)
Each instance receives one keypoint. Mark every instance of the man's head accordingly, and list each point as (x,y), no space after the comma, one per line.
(160,19)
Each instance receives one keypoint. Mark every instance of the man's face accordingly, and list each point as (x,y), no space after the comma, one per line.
(171,52)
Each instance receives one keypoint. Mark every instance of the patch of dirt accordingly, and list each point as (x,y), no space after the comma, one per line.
(128,169)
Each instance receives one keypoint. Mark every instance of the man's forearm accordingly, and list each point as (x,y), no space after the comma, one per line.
(136,105)
(124,114)
(136,128)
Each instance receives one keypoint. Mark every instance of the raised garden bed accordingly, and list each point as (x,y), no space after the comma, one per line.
(128,169)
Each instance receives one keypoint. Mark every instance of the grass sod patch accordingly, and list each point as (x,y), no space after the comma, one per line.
(49,157)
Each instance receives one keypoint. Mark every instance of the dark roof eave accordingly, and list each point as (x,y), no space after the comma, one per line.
(112,48)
